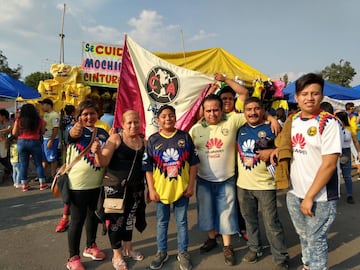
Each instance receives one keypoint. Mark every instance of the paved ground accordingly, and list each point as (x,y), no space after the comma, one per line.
(28,239)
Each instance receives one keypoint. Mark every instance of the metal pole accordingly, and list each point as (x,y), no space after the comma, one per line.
(62,36)
(183,46)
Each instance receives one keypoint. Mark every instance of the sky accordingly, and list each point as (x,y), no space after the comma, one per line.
(275,37)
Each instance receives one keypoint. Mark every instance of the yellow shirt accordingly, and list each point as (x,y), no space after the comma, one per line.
(216,147)
(103,125)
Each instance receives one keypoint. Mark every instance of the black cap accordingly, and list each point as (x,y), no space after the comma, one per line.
(164,107)
(47,101)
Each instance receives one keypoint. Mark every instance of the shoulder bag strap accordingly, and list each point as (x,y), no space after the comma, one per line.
(83,152)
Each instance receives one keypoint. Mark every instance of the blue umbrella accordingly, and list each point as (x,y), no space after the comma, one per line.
(331,90)
(13,88)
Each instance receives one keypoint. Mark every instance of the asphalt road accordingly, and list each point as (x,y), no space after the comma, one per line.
(29,241)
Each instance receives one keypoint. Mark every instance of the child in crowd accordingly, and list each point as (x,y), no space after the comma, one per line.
(14,159)
(170,163)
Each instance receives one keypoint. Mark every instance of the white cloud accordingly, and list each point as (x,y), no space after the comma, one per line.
(202,35)
(150,31)
(103,33)
(13,10)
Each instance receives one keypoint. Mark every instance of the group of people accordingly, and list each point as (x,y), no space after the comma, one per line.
(29,136)
(227,160)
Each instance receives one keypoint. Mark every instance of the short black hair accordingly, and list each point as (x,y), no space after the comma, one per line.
(212,97)
(349,105)
(69,109)
(227,89)
(108,108)
(327,107)
(164,107)
(344,118)
(307,79)
(5,113)
(253,99)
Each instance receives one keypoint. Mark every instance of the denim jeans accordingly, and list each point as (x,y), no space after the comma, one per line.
(163,217)
(346,171)
(250,201)
(313,230)
(16,173)
(26,148)
(216,206)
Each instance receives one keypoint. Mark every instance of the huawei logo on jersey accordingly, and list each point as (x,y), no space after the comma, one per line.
(298,139)
(214,142)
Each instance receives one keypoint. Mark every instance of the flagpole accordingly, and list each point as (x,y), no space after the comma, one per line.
(62,36)
(183,46)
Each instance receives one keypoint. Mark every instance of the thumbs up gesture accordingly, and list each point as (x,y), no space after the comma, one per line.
(77,129)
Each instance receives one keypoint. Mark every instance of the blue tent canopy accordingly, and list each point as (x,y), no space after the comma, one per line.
(357,88)
(13,88)
(331,90)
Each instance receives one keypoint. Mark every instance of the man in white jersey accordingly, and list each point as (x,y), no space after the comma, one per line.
(316,140)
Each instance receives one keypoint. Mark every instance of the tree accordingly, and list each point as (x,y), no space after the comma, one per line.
(285,78)
(4,67)
(341,73)
(33,79)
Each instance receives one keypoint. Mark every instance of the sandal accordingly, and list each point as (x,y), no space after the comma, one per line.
(119,264)
(135,255)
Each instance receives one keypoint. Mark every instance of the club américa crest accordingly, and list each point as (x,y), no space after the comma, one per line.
(162,85)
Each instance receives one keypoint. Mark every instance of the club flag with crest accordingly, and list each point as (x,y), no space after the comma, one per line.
(147,82)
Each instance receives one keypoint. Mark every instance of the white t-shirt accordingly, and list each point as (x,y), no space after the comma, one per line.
(311,139)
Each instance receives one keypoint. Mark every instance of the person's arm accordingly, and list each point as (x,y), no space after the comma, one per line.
(322,177)
(15,129)
(104,155)
(356,144)
(264,155)
(6,130)
(154,196)
(241,91)
(189,191)
(275,126)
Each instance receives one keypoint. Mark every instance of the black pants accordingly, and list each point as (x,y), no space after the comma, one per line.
(122,225)
(7,164)
(82,207)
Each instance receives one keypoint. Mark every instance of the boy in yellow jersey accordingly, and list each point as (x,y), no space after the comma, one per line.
(170,162)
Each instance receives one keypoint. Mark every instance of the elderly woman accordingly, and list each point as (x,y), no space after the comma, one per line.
(122,154)
(85,179)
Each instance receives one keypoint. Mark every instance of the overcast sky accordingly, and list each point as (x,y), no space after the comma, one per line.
(275,37)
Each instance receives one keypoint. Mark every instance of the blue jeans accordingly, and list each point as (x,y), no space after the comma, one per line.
(250,201)
(216,206)
(313,230)
(163,217)
(16,173)
(346,171)
(26,148)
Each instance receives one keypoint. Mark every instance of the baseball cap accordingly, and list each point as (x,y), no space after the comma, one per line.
(47,101)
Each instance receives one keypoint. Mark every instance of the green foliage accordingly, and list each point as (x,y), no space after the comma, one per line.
(341,74)
(285,78)
(4,67)
(33,79)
